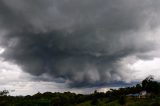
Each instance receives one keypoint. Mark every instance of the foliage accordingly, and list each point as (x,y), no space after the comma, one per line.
(4,92)
(151,86)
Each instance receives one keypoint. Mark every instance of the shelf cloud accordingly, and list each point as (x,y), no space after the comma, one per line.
(81,43)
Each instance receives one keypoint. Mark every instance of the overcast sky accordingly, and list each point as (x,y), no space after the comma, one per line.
(77,45)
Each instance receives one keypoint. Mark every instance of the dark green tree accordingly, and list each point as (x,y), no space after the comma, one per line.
(150,85)
(4,93)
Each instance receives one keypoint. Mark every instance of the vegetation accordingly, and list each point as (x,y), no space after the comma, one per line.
(120,97)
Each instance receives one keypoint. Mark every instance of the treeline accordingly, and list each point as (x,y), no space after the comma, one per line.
(72,99)
(44,99)
(149,85)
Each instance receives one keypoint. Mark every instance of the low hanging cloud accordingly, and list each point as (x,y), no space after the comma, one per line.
(81,43)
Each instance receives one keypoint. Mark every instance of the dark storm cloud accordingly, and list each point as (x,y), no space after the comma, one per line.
(77,42)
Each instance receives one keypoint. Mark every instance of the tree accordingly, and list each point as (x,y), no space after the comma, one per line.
(56,101)
(150,85)
(146,81)
(4,93)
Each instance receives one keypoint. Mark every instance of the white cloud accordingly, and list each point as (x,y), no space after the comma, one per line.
(144,68)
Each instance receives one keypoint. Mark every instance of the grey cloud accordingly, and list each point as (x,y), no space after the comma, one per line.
(78,42)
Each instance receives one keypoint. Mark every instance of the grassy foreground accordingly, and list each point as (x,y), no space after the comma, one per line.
(77,100)
(128,102)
